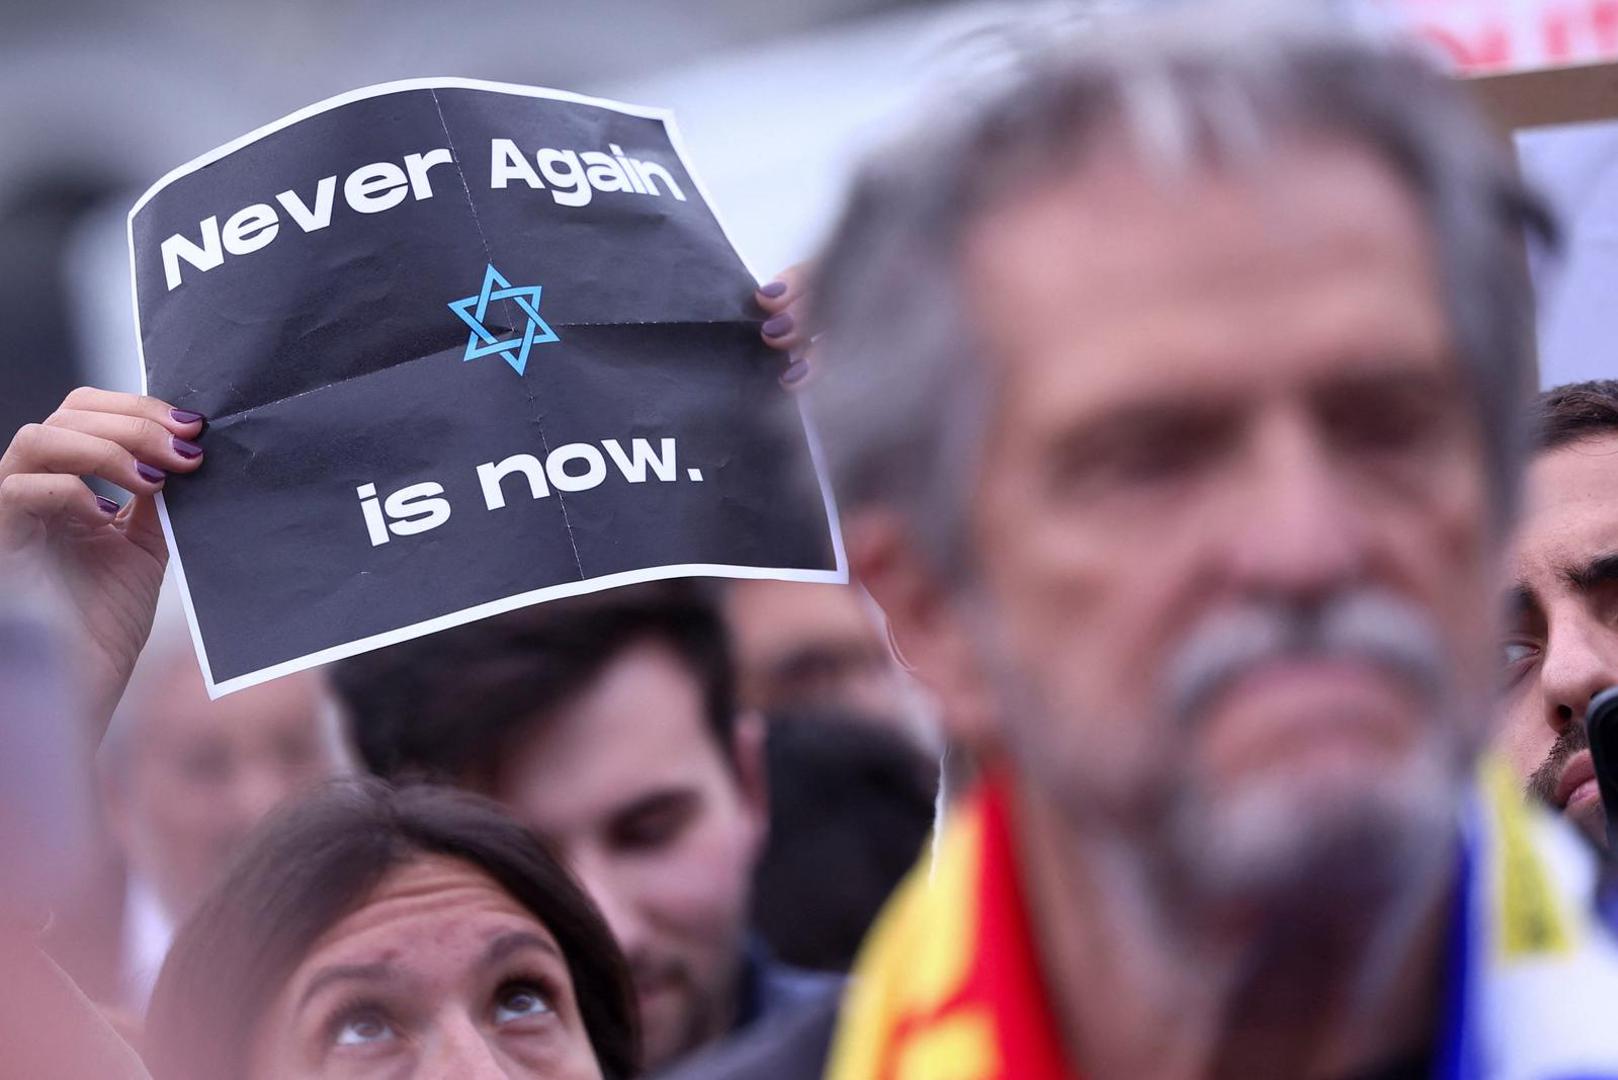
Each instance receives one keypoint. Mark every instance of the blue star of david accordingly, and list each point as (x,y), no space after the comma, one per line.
(473,309)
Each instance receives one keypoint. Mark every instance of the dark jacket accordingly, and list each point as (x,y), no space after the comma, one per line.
(783,1026)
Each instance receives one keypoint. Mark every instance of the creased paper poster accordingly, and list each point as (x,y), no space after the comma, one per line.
(463,347)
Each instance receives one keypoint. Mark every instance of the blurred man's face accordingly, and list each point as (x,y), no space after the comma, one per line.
(803,645)
(637,796)
(202,773)
(1561,640)
(1232,555)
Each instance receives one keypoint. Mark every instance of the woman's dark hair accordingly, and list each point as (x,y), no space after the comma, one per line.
(314,862)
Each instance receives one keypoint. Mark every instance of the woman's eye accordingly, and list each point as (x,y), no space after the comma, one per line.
(518,1001)
(363,1029)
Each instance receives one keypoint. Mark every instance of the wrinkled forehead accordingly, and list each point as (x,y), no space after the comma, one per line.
(1570,511)
(1142,278)
(430,905)
(1289,177)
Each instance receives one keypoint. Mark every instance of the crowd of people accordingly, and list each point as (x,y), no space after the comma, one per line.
(1229,609)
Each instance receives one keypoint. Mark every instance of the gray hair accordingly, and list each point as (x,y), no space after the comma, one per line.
(900,396)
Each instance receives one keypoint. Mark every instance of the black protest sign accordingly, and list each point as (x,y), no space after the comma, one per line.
(463,347)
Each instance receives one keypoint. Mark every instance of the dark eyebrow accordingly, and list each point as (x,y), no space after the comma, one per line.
(516,941)
(1159,418)
(1423,385)
(673,795)
(1521,602)
(344,973)
(1601,570)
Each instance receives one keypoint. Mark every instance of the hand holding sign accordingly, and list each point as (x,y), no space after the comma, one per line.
(784,301)
(110,561)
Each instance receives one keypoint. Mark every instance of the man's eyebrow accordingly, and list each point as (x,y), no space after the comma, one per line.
(673,795)
(1521,602)
(377,972)
(517,941)
(1392,377)
(1157,416)
(1600,570)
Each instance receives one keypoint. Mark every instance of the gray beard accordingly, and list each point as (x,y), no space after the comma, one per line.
(1329,854)
(1283,850)
(1323,891)
(1293,893)
(1271,846)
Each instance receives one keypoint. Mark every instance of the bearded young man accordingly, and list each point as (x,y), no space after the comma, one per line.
(607,723)
(1170,383)
(1561,640)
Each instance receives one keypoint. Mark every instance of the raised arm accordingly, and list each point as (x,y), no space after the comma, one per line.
(107,560)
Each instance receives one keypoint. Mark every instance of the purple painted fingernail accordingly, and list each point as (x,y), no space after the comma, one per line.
(795,372)
(773,289)
(106,504)
(778,326)
(185,416)
(149,474)
(185,448)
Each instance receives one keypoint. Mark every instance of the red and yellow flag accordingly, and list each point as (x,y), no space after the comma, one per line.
(948,987)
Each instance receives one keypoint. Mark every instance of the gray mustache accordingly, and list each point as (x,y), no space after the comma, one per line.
(1364,624)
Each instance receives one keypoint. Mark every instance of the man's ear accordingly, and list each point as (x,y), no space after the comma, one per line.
(927,626)
(752,771)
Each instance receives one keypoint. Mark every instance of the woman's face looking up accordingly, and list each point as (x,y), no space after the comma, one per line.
(439,973)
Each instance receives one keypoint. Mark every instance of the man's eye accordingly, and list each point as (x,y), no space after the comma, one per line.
(654,827)
(1515,652)
(1382,419)
(363,1027)
(519,1001)
(1148,460)
(1376,429)
(1139,459)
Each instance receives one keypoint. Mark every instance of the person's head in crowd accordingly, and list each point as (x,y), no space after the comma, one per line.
(851,804)
(48,838)
(809,646)
(608,724)
(373,931)
(184,779)
(1171,386)
(1560,646)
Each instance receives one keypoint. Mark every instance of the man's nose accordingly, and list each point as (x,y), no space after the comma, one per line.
(1295,528)
(1581,660)
(462,1048)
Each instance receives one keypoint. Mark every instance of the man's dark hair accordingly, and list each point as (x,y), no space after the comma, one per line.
(851,804)
(448,706)
(317,860)
(1576,411)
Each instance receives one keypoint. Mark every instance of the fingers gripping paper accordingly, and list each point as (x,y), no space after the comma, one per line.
(463,347)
